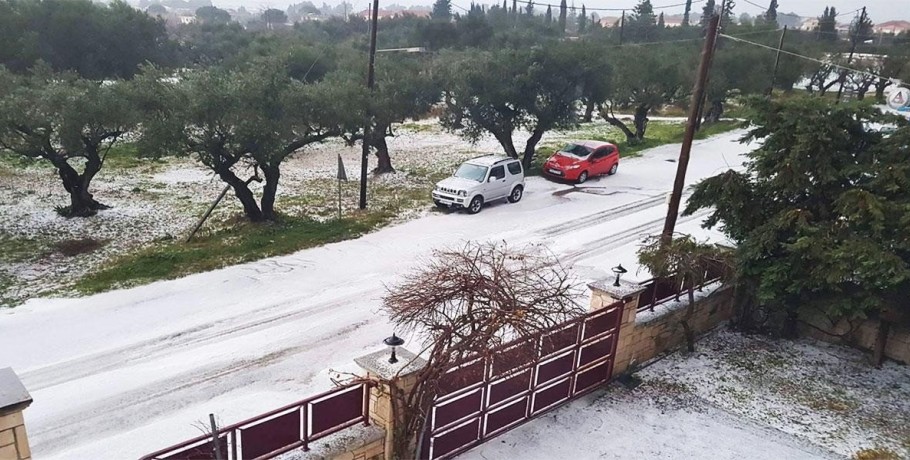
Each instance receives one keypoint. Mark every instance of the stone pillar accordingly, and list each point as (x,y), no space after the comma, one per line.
(378,367)
(604,294)
(13,400)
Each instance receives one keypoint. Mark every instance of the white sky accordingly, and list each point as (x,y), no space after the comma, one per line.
(879,10)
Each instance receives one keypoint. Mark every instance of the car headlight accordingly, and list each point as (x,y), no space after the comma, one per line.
(573,166)
(462,193)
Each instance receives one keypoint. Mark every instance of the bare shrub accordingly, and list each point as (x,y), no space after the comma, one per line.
(466,302)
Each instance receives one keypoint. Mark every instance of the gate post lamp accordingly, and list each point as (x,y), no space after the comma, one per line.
(393,341)
(619,271)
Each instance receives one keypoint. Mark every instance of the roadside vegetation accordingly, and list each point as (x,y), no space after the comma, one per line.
(231,244)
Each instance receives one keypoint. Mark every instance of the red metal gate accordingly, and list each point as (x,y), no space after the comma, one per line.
(282,430)
(496,394)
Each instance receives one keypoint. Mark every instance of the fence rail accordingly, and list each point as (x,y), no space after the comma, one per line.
(660,290)
(281,430)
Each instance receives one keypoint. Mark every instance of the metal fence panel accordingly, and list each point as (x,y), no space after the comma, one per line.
(336,410)
(457,409)
(271,435)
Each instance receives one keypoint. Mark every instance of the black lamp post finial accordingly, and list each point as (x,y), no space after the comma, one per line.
(393,341)
(619,270)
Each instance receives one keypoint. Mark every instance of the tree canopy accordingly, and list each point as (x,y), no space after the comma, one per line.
(92,39)
(247,121)
(500,92)
(820,216)
(67,121)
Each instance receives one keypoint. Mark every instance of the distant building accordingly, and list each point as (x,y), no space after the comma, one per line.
(391,13)
(809,24)
(187,19)
(892,27)
(673,20)
(609,21)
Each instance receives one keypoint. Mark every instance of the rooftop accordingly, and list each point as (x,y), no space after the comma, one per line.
(488,160)
(592,144)
(13,395)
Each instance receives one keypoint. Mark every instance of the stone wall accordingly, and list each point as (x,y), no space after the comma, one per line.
(13,441)
(647,334)
(14,398)
(864,336)
(374,450)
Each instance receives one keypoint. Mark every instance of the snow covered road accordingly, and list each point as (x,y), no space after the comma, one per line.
(120,374)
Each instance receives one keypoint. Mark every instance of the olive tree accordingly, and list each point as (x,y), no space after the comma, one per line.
(646,80)
(253,118)
(503,91)
(68,121)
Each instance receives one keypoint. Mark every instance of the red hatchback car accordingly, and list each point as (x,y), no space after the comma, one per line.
(581,160)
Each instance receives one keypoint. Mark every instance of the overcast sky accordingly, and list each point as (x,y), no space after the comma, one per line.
(879,10)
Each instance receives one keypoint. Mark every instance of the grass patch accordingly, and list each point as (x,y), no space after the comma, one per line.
(879,453)
(127,156)
(657,134)
(241,242)
(19,249)
(419,127)
(6,282)
(10,160)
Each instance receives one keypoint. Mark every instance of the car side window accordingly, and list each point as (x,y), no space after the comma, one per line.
(498,172)
(598,154)
(609,151)
(514,168)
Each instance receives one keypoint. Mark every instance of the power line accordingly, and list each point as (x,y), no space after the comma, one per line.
(801,15)
(663,7)
(818,61)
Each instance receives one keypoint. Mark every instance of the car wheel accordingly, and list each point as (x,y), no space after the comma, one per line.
(516,195)
(582,177)
(613,169)
(476,205)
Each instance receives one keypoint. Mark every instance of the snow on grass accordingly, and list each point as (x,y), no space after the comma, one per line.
(826,394)
(651,422)
(735,397)
(157,201)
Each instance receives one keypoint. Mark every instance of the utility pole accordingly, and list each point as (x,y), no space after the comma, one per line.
(365,155)
(853,40)
(777,61)
(698,93)
(622,26)
(704,100)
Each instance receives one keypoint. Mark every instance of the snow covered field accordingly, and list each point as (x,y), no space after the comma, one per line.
(122,373)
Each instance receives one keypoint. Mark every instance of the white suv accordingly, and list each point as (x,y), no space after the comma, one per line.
(481,180)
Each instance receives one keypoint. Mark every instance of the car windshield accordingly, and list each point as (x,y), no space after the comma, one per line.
(473,172)
(575,150)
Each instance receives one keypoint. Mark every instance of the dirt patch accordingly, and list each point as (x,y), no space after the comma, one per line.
(72,248)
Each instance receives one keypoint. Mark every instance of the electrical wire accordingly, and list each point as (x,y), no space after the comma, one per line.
(662,7)
(801,15)
(819,61)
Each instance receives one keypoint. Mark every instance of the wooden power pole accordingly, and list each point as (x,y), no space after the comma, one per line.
(780,46)
(698,93)
(365,154)
(853,39)
(622,26)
